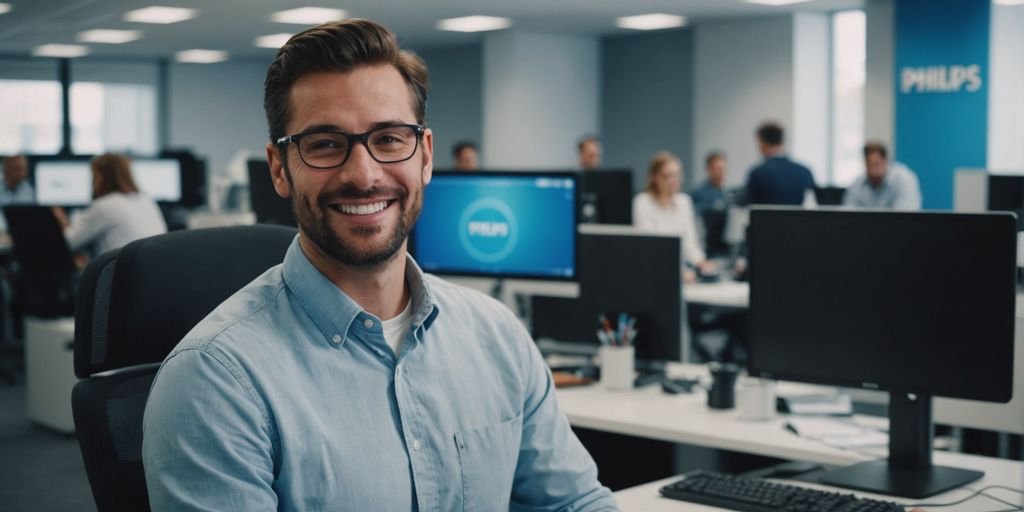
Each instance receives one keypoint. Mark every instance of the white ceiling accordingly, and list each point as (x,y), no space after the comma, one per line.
(233,24)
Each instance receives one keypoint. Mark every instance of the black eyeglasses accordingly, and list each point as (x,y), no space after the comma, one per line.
(329,149)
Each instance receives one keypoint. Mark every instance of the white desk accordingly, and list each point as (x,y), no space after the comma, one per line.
(997,472)
(731,294)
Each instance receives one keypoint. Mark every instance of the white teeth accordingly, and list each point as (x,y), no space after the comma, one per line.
(362,209)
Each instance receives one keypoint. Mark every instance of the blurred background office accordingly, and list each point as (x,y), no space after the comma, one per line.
(854,87)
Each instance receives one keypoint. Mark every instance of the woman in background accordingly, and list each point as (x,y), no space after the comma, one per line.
(662,208)
(119,213)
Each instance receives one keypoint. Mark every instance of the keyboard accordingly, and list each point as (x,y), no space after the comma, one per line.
(757,495)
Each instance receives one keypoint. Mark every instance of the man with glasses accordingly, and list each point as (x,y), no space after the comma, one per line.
(345,378)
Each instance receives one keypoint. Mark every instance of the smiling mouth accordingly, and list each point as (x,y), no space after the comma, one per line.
(361,209)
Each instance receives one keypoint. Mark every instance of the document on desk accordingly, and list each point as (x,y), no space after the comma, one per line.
(837,432)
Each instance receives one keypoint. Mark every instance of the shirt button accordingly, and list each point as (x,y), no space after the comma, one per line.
(416,444)
(336,338)
(368,323)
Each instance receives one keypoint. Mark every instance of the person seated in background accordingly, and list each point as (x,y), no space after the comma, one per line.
(884,184)
(589,152)
(466,156)
(712,203)
(119,213)
(16,189)
(662,208)
(778,180)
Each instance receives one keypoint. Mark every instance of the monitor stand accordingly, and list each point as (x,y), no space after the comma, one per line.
(908,472)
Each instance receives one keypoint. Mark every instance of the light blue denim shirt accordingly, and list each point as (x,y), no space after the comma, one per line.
(286,397)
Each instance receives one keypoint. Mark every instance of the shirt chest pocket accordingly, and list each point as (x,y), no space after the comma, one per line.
(487,459)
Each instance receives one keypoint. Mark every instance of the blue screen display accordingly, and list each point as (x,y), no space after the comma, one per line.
(511,225)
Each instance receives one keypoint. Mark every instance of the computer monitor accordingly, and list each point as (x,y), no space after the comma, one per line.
(159,178)
(193,176)
(829,196)
(606,196)
(916,304)
(498,224)
(269,207)
(623,271)
(62,182)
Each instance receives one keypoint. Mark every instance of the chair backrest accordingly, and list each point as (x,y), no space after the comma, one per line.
(134,305)
(47,277)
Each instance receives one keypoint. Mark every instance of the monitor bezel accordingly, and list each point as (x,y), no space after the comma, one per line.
(560,174)
(888,386)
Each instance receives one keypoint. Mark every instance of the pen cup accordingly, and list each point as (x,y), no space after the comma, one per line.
(756,399)
(616,367)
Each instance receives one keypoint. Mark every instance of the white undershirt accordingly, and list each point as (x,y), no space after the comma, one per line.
(397,328)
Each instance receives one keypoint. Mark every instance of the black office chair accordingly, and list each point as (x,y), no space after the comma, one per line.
(46,277)
(134,305)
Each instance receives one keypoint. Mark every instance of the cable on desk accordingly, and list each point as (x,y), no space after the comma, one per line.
(975,493)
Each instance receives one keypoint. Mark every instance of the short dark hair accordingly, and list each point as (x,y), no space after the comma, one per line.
(876,147)
(461,145)
(770,133)
(585,139)
(338,46)
(712,156)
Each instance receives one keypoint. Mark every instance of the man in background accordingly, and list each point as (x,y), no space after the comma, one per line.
(16,189)
(466,156)
(589,152)
(778,180)
(710,195)
(884,184)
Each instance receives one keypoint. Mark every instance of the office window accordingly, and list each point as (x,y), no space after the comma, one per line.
(31,120)
(849,44)
(113,108)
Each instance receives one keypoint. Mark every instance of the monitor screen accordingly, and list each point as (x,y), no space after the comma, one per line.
(498,224)
(158,178)
(606,196)
(63,182)
(269,207)
(896,301)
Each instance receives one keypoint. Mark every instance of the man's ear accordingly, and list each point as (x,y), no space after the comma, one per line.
(428,155)
(277,171)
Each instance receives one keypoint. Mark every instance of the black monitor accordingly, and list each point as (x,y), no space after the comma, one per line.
(269,207)
(916,304)
(193,176)
(635,273)
(606,196)
(498,224)
(159,178)
(62,181)
(829,196)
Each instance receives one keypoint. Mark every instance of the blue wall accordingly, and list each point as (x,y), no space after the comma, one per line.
(647,100)
(454,107)
(941,90)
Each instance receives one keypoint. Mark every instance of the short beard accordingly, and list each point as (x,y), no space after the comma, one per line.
(315,223)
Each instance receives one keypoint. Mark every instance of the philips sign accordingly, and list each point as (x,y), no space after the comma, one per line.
(940,79)
(488,230)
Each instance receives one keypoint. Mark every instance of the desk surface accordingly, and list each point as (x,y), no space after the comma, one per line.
(997,472)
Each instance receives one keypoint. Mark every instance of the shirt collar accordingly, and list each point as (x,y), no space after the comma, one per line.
(332,310)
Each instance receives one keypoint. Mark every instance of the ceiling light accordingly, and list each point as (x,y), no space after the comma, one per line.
(160,14)
(273,40)
(474,24)
(1009,2)
(108,36)
(651,21)
(67,51)
(308,15)
(775,2)
(4,8)
(201,56)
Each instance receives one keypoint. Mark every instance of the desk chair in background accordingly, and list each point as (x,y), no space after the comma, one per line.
(41,274)
(134,305)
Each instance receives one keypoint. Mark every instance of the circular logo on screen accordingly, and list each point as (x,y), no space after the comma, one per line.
(488,230)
